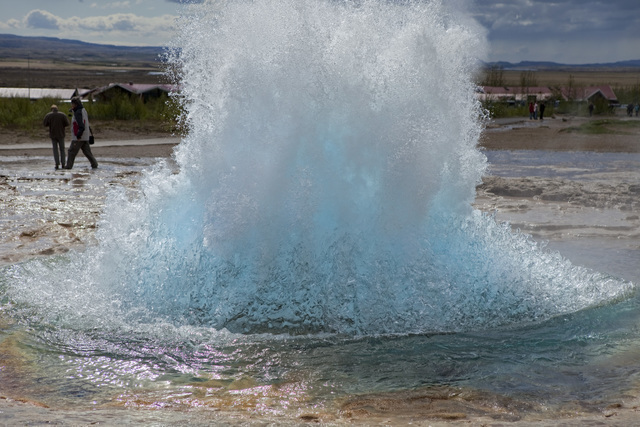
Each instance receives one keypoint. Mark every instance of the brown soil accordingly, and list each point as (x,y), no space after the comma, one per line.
(556,134)
(103,131)
(504,134)
(128,151)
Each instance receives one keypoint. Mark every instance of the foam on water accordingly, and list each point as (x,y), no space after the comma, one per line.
(325,185)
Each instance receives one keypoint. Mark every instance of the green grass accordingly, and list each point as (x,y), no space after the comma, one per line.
(605,126)
(25,115)
(504,110)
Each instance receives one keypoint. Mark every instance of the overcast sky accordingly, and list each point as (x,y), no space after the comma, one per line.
(567,31)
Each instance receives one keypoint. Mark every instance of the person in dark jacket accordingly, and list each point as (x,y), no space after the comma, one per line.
(57,123)
(80,131)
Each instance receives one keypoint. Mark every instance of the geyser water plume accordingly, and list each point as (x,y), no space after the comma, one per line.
(325,185)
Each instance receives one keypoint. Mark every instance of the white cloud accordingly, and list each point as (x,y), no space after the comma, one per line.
(42,19)
(10,25)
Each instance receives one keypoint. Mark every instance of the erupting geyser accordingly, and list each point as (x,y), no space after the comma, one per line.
(325,185)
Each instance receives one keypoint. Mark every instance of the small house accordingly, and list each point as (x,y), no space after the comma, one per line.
(140,90)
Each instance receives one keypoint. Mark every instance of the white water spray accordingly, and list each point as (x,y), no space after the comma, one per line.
(325,185)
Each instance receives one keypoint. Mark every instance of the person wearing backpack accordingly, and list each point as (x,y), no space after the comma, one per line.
(80,132)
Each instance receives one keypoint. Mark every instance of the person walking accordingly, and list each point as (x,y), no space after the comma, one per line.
(80,131)
(542,107)
(57,123)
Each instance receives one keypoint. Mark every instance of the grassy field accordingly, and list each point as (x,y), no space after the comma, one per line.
(87,73)
(581,77)
(21,120)
(605,127)
(121,117)
(625,83)
(19,72)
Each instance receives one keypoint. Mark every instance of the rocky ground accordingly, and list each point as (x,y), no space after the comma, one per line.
(509,195)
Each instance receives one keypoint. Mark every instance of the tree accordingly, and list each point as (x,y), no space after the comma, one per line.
(571,88)
(494,76)
(528,79)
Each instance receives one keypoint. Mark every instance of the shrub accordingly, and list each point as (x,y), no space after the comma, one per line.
(504,109)
(26,115)
(21,113)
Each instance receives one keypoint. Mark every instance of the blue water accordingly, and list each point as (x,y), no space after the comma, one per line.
(318,240)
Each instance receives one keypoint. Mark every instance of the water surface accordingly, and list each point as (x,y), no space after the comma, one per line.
(312,251)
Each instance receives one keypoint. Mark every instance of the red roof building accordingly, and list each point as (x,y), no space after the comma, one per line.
(515,93)
(590,93)
(540,93)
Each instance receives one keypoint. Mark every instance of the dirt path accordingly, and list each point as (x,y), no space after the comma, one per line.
(552,134)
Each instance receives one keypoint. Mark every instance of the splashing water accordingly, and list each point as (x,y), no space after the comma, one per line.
(325,185)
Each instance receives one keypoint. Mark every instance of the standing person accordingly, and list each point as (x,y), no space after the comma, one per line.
(57,123)
(530,110)
(535,110)
(542,107)
(80,131)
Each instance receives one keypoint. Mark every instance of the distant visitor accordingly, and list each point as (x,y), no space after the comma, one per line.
(57,123)
(80,132)
(530,110)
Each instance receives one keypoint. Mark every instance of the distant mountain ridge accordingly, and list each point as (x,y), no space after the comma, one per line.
(52,48)
(548,65)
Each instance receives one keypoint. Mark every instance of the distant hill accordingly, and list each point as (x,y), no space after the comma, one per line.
(546,65)
(51,48)
(55,49)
